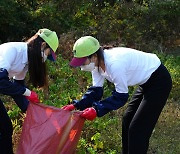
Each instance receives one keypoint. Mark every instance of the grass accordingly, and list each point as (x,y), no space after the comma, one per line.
(166,136)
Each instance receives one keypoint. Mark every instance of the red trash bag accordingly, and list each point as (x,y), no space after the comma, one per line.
(50,130)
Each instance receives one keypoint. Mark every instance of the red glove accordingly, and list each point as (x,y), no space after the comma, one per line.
(89,113)
(33,97)
(68,107)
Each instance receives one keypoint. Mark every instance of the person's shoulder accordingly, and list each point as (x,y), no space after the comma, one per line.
(20,46)
(118,49)
(14,44)
(18,43)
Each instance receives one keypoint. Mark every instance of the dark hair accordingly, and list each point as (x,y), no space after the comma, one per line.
(107,47)
(100,56)
(36,65)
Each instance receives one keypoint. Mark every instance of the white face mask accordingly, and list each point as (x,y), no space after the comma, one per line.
(90,67)
(44,56)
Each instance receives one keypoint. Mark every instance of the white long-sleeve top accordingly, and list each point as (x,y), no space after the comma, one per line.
(14,58)
(126,67)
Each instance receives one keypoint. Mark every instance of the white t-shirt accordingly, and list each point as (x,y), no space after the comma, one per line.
(126,67)
(14,58)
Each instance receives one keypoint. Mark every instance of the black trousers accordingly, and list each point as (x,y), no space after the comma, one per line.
(13,90)
(6,131)
(143,112)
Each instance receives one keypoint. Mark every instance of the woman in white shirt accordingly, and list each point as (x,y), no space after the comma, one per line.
(123,67)
(16,58)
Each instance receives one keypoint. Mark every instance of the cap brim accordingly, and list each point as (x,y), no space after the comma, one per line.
(52,56)
(75,62)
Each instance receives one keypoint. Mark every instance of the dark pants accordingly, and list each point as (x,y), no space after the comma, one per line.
(6,131)
(143,112)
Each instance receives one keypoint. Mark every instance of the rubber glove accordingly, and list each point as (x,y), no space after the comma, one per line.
(33,97)
(68,107)
(89,113)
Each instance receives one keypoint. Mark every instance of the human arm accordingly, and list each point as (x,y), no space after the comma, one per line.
(15,88)
(8,87)
(100,108)
(119,95)
(113,102)
(91,95)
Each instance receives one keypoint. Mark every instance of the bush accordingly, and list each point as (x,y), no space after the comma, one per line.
(138,24)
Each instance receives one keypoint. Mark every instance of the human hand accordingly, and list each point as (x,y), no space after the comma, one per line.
(68,107)
(33,97)
(89,113)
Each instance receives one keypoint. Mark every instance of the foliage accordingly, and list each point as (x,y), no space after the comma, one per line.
(13,21)
(173,65)
(138,23)
(143,24)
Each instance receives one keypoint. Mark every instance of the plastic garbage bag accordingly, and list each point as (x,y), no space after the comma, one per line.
(49,130)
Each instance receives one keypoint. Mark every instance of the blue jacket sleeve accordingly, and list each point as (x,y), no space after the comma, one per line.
(21,100)
(93,94)
(7,87)
(21,82)
(113,102)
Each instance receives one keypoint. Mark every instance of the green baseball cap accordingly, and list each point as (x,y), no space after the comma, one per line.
(50,37)
(83,47)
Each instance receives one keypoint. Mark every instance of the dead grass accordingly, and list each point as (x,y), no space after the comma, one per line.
(166,136)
